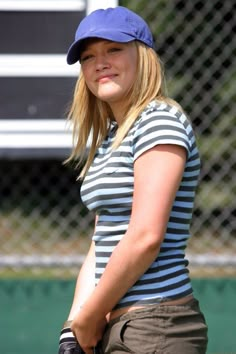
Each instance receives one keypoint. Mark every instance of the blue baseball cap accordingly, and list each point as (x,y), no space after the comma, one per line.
(117,24)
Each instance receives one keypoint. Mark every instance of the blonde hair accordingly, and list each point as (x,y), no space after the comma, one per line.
(91,117)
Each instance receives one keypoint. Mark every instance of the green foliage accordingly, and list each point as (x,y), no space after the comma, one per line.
(212,195)
(156,13)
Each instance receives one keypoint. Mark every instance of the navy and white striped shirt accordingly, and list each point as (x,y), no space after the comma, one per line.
(108,190)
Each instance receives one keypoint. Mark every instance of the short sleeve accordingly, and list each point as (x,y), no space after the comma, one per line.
(157,127)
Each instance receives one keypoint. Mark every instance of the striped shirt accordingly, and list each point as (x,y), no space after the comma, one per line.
(108,190)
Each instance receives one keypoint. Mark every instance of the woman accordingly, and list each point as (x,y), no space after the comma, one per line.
(133,293)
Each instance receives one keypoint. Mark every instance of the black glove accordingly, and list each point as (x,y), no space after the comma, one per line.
(78,350)
(68,343)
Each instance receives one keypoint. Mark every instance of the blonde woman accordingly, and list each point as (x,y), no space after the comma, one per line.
(133,293)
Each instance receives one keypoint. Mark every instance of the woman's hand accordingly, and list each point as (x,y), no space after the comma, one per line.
(88,329)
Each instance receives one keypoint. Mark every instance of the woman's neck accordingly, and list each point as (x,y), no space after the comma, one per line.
(119,113)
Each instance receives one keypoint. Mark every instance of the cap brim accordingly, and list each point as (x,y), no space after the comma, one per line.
(73,54)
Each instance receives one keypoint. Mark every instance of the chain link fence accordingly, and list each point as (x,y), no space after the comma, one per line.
(44,228)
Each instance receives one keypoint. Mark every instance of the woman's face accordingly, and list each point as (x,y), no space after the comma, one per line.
(109,69)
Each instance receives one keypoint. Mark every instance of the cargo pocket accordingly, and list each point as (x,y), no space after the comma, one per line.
(123,328)
(114,338)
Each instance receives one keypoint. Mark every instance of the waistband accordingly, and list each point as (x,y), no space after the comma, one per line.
(165,306)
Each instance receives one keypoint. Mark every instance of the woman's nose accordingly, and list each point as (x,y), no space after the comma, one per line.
(101,62)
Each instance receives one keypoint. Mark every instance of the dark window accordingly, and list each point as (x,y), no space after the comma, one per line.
(37,32)
(35,97)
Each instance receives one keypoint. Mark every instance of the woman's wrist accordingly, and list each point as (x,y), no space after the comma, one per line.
(73,313)
(67,324)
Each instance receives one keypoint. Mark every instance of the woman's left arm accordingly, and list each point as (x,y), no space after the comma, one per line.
(157,175)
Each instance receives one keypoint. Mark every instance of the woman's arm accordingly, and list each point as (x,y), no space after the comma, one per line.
(157,175)
(84,287)
(85,282)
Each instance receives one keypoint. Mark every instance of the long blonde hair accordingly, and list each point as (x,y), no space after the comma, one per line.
(91,117)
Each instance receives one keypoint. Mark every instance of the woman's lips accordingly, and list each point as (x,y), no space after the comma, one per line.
(105,78)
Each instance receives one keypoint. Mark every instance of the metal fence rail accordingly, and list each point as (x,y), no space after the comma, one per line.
(42,221)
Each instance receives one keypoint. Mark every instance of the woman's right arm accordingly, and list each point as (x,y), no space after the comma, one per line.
(85,282)
(84,287)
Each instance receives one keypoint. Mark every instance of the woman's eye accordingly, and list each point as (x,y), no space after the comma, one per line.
(114,49)
(85,58)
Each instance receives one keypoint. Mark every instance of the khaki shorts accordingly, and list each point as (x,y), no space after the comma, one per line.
(158,329)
